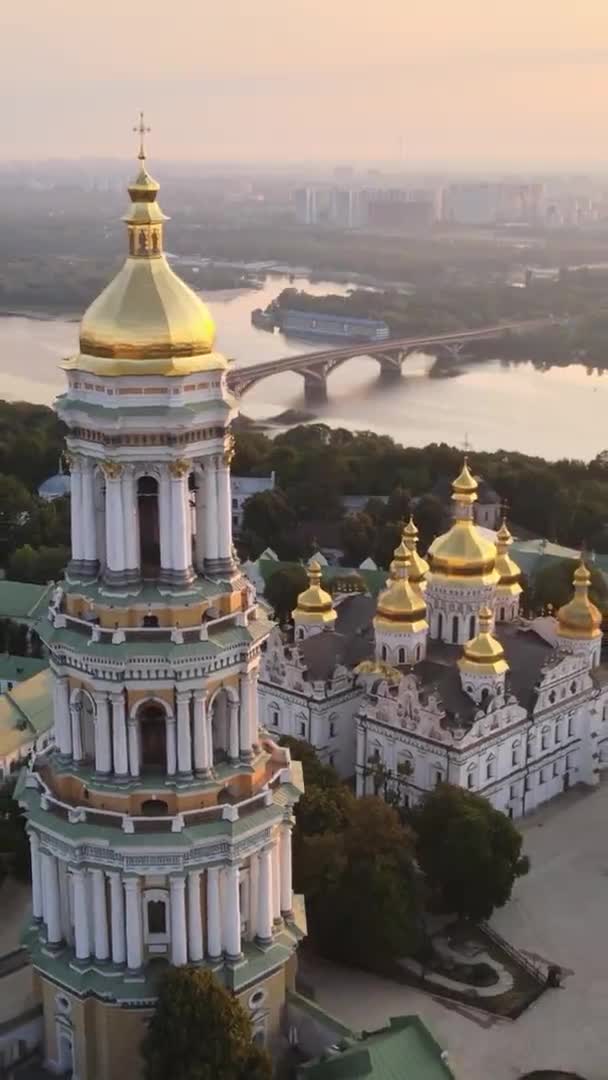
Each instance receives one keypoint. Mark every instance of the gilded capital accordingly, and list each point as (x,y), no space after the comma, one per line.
(112,470)
(180,468)
(229,450)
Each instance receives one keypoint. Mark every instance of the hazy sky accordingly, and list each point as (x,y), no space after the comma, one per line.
(452,82)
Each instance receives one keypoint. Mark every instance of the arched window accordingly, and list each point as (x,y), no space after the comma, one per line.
(502,614)
(472,626)
(544,738)
(490,767)
(440,625)
(455,629)
(222,716)
(402,656)
(417,652)
(471,776)
(153,737)
(149,529)
(384,652)
(157,917)
(516,753)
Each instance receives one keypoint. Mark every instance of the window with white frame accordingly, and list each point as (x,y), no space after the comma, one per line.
(471,776)
(541,776)
(544,738)
(302,729)
(490,767)
(556,768)
(570,725)
(558,732)
(516,752)
(332,728)
(275,716)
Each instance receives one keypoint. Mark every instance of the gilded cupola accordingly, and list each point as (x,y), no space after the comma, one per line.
(147,321)
(507,569)
(315,609)
(463,553)
(401,605)
(580,618)
(483,655)
(418,566)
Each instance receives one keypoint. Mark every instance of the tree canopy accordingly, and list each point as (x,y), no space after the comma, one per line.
(283,588)
(199,1031)
(469,852)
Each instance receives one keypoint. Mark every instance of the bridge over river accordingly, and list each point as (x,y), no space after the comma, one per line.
(315,367)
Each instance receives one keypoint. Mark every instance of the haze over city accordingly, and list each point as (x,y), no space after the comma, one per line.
(468,85)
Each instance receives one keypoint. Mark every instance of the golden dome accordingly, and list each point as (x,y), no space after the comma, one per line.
(483,655)
(506,567)
(147,320)
(463,553)
(314,604)
(418,566)
(580,618)
(401,604)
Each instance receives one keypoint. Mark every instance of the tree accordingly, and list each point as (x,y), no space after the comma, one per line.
(199,1031)
(357,537)
(41,565)
(553,585)
(469,852)
(14,843)
(268,514)
(431,518)
(283,588)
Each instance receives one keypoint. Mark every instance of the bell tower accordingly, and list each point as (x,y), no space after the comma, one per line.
(160,824)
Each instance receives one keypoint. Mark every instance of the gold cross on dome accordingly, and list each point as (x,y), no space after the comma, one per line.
(142,131)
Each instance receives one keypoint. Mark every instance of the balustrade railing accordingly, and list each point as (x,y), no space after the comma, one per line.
(175,634)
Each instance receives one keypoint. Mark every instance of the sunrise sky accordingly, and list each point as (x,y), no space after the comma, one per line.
(457,83)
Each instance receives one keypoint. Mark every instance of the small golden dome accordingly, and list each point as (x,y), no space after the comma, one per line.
(580,618)
(147,320)
(465,483)
(402,604)
(314,604)
(483,655)
(507,569)
(418,566)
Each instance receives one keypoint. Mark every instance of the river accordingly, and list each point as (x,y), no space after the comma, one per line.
(558,412)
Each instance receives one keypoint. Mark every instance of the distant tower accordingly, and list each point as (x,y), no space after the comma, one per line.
(462,576)
(579,621)
(508,590)
(315,608)
(400,625)
(160,826)
(482,665)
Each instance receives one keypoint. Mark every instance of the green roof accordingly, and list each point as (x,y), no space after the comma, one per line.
(26,712)
(17,668)
(405,1050)
(23,601)
(375,580)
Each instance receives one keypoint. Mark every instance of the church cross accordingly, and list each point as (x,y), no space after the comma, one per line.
(142,131)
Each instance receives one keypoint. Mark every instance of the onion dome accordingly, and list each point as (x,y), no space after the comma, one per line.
(418,566)
(315,606)
(509,571)
(402,605)
(463,553)
(483,655)
(580,618)
(147,320)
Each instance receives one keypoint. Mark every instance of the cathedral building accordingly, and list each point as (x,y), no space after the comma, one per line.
(443,680)
(160,824)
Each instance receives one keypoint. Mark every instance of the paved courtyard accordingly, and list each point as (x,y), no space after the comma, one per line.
(558,913)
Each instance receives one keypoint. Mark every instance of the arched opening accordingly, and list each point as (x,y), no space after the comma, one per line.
(220,726)
(402,656)
(149,531)
(83,705)
(502,614)
(154,808)
(440,625)
(157,917)
(153,737)
(455,629)
(472,626)
(384,652)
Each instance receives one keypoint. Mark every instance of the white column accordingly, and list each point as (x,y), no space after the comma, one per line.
(195,922)
(117,901)
(233,736)
(115,529)
(232,921)
(64,901)
(214,925)
(276,881)
(135,942)
(61,714)
(36,875)
(211,510)
(202,742)
(179,940)
(253,706)
(171,746)
(81,915)
(119,735)
(89,524)
(254,888)
(200,521)
(164,520)
(264,920)
(224,511)
(245,740)
(180,518)
(285,860)
(130,518)
(103,734)
(75,710)
(184,736)
(100,915)
(76,516)
(133,746)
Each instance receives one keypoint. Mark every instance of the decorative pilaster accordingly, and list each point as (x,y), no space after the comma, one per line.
(100,915)
(195,923)
(214,925)
(61,715)
(103,734)
(199,558)
(184,737)
(119,735)
(264,906)
(211,514)
(286,871)
(202,738)
(164,523)
(37,909)
(232,920)
(276,881)
(135,939)
(115,527)
(76,516)
(133,746)
(117,901)
(180,526)
(89,523)
(233,732)
(81,915)
(131,522)
(179,940)
(245,739)
(75,710)
(224,509)
(171,746)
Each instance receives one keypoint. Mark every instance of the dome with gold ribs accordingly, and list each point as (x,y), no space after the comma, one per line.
(418,566)
(483,655)
(580,618)
(314,604)
(463,553)
(401,605)
(506,567)
(147,320)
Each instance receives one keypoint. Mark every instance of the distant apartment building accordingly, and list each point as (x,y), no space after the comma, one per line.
(314,205)
(352,207)
(492,203)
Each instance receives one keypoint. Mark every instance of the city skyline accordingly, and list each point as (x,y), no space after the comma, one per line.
(466,88)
